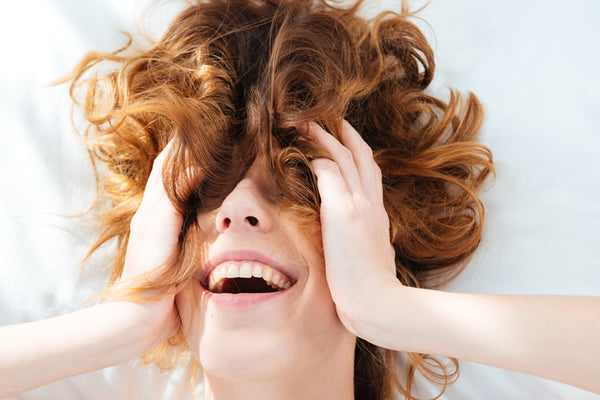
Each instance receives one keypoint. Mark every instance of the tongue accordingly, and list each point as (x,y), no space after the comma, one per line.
(246,285)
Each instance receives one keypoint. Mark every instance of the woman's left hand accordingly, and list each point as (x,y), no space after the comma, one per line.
(359,258)
(521,333)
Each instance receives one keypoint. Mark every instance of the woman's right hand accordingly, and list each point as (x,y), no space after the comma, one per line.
(155,227)
(106,334)
(153,238)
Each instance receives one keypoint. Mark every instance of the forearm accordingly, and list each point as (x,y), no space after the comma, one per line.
(37,353)
(555,337)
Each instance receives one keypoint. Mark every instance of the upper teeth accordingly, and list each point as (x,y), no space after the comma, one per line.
(246,269)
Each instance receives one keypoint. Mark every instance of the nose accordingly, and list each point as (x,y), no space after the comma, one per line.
(245,209)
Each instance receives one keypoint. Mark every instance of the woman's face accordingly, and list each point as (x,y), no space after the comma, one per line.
(248,335)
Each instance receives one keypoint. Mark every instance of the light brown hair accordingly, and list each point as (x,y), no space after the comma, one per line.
(230,80)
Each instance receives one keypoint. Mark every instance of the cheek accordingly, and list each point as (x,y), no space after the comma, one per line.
(319,304)
(317,294)
(320,316)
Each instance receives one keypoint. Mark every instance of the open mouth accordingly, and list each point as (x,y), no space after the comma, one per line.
(247,277)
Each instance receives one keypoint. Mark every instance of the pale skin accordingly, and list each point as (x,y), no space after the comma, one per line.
(549,336)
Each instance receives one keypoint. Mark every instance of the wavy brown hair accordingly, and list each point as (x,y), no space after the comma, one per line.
(231,79)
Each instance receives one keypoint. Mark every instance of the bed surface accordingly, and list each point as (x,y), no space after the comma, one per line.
(533,65)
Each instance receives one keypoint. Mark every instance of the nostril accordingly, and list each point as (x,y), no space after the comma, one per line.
(227,222)
(252,220)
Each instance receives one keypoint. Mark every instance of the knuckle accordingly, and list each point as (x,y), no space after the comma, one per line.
(365,148)
(378,173)
(327,165)
(346,154)
(344,211)
(363,204)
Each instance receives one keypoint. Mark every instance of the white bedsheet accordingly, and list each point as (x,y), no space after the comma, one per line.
(533,64)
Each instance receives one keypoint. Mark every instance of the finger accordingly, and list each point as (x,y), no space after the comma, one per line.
(157,219)
(341,155)
(335,196)
(155,177)
(155,196)
(368,170)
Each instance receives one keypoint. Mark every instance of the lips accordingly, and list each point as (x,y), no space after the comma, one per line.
(241,271)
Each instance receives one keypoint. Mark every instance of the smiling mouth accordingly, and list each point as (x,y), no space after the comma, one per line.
(236,277)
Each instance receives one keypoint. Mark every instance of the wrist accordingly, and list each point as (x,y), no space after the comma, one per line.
(147,324)
(368,315)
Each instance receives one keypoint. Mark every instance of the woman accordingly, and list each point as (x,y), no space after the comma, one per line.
(239,115)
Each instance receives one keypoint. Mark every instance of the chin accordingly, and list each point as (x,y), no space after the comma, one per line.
(248,356)
(261,355)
